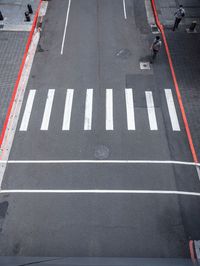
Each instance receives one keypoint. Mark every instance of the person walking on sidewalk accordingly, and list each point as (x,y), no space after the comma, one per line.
(179,14)
(155,48)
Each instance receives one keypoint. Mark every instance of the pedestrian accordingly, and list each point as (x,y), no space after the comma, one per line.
(155,48)
(179,14)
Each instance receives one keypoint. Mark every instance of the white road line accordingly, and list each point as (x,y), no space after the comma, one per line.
(27,111)
(197,249)
(124,7)
(109,109)
(68,109)
(172,110)
(65,29)
(151,111)
(130,109)
(99,162)
(198,172)
(88,109)
(47,111)
(99,191)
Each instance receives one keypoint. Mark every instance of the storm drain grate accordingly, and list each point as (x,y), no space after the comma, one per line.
(145,66)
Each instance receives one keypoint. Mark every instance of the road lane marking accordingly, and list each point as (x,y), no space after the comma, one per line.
(130,109)
(68,109)
(100,162)
(172,110)
(88,109)
(151,111)
(47,111)
(27,111)
(124,7)
(109,109)
(109,112)
(197,249)
(99,191)
(65,29)
(198,172)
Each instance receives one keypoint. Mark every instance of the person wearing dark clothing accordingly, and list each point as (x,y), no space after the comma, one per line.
(155,47)
(179,14)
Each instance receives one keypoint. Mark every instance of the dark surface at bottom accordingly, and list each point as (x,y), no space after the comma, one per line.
(103,225)
(14,261)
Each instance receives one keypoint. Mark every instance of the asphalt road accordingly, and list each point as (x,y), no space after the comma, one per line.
(100,59)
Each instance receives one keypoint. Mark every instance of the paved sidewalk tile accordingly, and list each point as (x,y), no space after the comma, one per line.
(184,49)
(166,10)
(14,33)
(186,59)
(12,46)
(13,13)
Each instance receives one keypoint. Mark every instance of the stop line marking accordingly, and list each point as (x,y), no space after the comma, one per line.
(99,162)
(98,191)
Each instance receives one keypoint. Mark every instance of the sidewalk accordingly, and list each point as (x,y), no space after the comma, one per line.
(166,10)
(13,37)
(185,52)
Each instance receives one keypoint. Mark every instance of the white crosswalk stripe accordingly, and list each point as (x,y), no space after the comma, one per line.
(130,109)
(88,109)
(68,109)
(172,110)
(109,109)
(151,111)
(47,110)
(27,111)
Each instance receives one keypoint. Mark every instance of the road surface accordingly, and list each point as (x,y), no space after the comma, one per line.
(93,123)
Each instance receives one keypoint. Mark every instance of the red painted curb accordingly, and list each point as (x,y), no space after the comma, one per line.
(188,132)
(19,74)
(192,253)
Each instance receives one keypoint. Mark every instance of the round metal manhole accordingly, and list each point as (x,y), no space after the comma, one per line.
(101,152)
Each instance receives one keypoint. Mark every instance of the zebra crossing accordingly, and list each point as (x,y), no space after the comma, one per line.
(151,111)
(130,109)
(27,111)
(47,110)
(68,109)
(128,103)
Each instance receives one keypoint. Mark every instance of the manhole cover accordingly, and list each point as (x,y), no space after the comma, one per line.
(144,65)
(124,53)
(101,152)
